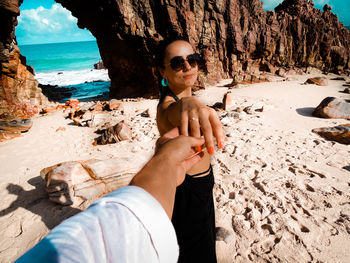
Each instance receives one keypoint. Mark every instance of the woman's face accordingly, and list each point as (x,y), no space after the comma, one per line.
(186,76)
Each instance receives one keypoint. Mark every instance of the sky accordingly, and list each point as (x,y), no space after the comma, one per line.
(45,21)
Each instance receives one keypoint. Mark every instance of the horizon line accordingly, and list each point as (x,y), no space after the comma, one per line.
(55,42)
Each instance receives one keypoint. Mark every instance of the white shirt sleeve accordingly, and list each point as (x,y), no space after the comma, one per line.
(128,225)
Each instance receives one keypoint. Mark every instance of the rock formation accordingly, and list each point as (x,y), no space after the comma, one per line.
(237,38)
(19,90)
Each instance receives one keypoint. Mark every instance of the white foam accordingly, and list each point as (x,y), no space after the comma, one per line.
(65,78)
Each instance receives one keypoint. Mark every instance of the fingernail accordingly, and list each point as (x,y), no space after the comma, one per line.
(199,149)
(211,150)
(221,145)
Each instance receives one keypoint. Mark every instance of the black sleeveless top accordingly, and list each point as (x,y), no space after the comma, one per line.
(167,92)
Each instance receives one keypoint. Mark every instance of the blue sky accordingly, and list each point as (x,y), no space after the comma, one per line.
(45,21)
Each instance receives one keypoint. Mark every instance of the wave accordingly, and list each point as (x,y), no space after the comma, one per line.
(72,77)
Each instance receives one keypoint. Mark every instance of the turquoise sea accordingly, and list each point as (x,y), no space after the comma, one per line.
(69,65)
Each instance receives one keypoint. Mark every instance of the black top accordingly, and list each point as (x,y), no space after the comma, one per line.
(167,92)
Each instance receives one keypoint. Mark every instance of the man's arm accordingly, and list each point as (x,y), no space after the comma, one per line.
(167,169)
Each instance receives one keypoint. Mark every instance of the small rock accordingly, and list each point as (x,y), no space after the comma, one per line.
(145,114)
(98,119)
(249,110)
(73,103)
(99,65)
(227,101)
(281,72)
(320,81)
(114,104)
(117,133)
(60,129)
(223,234)
(347,90)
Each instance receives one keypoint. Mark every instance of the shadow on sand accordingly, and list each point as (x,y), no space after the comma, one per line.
(307,111)
(37,201)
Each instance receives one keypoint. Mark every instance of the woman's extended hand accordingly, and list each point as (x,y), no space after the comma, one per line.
(197,117)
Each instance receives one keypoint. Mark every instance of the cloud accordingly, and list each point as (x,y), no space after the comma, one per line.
(41,25)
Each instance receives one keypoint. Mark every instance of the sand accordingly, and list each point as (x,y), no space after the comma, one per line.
(281,192)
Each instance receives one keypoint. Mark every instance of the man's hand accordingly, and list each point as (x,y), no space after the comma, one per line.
(174,156)
(179,151)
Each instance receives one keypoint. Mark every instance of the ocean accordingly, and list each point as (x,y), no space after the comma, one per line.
(69,65)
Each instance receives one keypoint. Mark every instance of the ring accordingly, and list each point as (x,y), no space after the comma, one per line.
(194,119)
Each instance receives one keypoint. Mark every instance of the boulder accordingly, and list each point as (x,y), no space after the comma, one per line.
(340,133)
(99,65)
(347,90)
(76,182)
(334,108)
(16,125)
(320,81)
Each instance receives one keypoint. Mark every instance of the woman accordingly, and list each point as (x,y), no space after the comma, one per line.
(193,216)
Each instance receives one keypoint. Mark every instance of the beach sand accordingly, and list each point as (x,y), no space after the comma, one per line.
(281,192)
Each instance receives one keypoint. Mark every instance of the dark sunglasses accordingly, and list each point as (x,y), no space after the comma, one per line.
(178,63)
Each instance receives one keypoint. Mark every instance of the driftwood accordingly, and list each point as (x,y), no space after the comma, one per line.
(76,182)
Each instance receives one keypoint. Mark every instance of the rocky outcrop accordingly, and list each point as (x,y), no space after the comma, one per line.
(237,38)
(19,92)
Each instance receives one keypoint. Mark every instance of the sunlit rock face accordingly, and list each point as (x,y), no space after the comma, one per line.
(235,37)
(19,92)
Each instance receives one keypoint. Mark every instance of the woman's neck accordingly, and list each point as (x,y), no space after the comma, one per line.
(180,93)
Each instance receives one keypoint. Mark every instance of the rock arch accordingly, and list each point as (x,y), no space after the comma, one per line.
(236,37)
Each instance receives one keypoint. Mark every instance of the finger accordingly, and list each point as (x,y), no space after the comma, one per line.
(173,133)
(193,141)
(217,129)
(188,163)
(184,124)
(195,130)
(208,134)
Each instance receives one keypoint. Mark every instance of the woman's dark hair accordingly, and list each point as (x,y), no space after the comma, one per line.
(160,52)
(159,61)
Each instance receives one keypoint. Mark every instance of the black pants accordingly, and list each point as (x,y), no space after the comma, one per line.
(194,219)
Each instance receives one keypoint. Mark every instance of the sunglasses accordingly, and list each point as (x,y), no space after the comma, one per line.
(178,63)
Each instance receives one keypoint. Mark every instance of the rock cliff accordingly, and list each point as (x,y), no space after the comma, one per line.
(19,92)
(237,38)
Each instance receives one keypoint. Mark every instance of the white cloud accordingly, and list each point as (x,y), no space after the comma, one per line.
(43,25)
